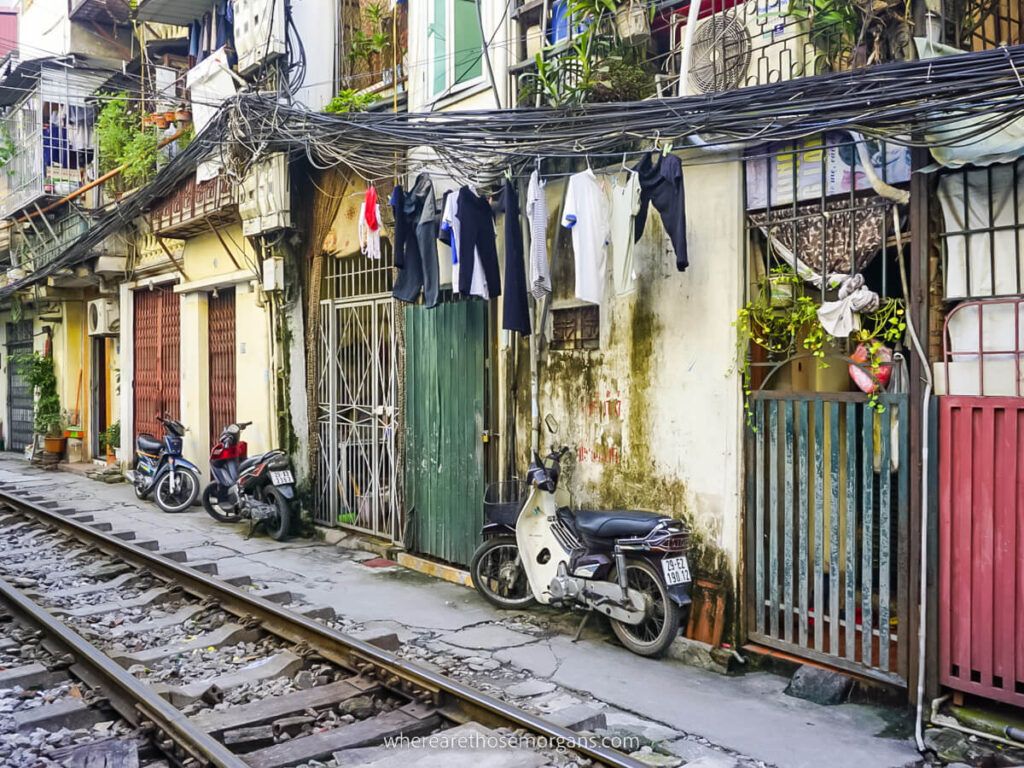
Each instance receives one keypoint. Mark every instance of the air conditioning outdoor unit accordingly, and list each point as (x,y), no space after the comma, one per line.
(259,32)
(753,43)
(265,200)
(104,317)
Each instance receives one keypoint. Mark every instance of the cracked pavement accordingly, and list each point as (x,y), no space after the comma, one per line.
(689,716)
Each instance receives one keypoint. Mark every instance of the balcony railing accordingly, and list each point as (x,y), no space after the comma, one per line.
(194,208)
(37,241)
(735,44)
(52,152)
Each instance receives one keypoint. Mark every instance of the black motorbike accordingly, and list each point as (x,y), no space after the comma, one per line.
(162,472)
(260,489)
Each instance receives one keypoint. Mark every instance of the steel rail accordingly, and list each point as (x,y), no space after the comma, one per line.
(456,701)
(131,698)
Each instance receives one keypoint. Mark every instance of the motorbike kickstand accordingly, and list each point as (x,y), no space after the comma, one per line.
(579,629)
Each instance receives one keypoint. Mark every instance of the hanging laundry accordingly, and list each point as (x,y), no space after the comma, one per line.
(474,233)
(397,203)
(369,225)
(515,315)
(586,214)
(661,183)
(625,202)
(419,244)
(446,257)
(537,213)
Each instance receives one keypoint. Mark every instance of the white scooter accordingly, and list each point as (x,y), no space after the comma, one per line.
(629,565)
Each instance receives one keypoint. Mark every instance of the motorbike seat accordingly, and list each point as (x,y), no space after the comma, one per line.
(616,523)
(148,444)
(252,461)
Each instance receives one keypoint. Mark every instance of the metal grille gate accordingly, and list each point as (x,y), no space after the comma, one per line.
(356,474)
(157,369)
(827,529)
(222,361)
(20,397)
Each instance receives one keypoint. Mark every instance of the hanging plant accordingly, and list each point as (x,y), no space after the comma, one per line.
(38,371)
(882,329)
(781,319)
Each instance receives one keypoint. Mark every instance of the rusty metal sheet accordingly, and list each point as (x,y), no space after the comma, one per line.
(221,329)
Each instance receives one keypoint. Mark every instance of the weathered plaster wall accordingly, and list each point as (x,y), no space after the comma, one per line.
(653,416)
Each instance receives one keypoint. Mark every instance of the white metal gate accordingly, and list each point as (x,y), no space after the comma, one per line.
(356,476)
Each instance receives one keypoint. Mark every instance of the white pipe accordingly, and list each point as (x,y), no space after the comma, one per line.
(922,629)
(691,30)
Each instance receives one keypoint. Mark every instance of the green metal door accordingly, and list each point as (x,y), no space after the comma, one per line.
(444,457)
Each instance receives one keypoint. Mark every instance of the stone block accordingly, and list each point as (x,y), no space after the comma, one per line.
(822,686)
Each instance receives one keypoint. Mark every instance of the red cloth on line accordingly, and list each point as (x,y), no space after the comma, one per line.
(370,209)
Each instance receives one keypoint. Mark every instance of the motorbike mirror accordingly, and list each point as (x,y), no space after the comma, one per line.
(551,423)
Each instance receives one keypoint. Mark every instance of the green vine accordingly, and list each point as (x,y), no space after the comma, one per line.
(39,373)
(7,147)
(349,100)
(122,142)
(782,320)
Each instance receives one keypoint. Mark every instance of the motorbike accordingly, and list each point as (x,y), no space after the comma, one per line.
(260,488)
(162,472)
(628,565)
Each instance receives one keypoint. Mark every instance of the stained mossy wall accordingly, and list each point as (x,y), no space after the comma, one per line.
(653,415)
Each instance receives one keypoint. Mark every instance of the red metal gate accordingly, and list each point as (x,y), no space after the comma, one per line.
(981,546)
(157,370)
(222,361)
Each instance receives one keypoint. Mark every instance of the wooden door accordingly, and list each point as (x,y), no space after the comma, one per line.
(157,368)
(222,361)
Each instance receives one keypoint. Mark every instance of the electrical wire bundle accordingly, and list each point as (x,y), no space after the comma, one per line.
(897,102)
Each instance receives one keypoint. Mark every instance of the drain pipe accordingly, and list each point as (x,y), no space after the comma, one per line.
(922,629)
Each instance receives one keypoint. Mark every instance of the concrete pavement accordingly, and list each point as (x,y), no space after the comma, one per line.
(703,718)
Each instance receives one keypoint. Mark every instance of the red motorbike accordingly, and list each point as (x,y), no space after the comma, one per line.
(260,488)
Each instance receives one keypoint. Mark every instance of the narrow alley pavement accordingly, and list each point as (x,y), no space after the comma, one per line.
(703,719)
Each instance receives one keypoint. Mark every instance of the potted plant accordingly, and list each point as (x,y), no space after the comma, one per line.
(49,419)
(114,441)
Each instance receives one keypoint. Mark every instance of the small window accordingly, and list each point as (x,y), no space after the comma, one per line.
(457,45)
(576,327)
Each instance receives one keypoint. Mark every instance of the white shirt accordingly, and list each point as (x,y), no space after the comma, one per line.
(537,214)
(450,222)
(625,203)
(369,239)
(586,214)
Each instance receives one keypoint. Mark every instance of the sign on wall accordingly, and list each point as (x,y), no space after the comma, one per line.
(828,164)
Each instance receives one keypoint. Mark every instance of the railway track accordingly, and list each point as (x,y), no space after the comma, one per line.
(211,672)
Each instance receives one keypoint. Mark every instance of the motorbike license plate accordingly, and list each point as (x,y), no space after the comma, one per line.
(284,477)
(676,570)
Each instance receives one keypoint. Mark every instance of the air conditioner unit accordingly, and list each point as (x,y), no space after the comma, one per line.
(104,317)
(753,43)
(259,32)
(265,200)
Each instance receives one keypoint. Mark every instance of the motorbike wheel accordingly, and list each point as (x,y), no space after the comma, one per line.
(219,512)
(140,492)
(653,635)
(498,573)
(279,526)
(178,499)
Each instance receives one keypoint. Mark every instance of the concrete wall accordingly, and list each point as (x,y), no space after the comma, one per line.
(476,94)
(45,30)
(317,26)
(654,415)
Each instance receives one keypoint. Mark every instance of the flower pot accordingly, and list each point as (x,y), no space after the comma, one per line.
(781,292)
(632,23)
(160,121)
(170,116)
(54,444)
(183,116)
(111,456)
(707,612)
